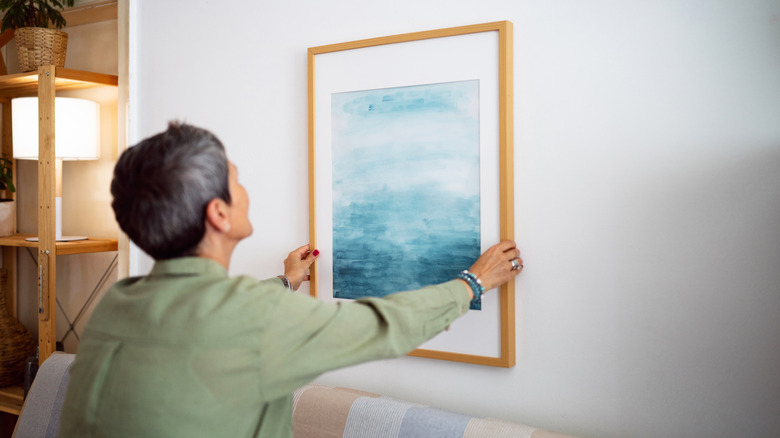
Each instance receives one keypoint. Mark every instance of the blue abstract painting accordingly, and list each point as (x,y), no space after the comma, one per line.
(406,195)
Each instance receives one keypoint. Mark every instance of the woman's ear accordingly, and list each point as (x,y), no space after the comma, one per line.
(217,215)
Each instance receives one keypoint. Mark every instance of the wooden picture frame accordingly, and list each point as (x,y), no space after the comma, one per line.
(448,56)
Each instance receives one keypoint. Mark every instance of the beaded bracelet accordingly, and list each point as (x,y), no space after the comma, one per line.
(476,286)
(286,282)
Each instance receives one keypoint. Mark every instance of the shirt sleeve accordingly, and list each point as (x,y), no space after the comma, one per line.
(304,337)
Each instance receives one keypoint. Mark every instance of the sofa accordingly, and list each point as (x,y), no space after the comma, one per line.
(319,411)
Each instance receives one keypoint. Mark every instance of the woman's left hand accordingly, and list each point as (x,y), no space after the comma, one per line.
(499,264)
(297,264)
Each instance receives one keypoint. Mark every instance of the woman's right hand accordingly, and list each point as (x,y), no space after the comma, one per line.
(297,264)
(494,267)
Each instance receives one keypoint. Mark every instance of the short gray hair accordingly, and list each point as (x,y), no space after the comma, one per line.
(162,185)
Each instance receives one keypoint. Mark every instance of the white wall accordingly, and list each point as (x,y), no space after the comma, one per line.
(647,190)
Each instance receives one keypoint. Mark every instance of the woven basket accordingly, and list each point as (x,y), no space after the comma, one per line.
(37,46)
(16,343)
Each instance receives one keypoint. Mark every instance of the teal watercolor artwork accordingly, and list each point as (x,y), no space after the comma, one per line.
(406,192)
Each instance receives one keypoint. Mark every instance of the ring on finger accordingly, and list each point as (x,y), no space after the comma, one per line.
(516,265)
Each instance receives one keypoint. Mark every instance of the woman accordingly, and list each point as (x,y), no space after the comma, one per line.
(189,351)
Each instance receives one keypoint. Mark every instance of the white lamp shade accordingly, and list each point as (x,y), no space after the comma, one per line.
(76,128)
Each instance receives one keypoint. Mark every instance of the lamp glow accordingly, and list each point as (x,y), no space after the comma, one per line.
(76,137)
(76,128)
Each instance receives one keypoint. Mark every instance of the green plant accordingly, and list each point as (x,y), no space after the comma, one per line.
(33,13)
(7,175)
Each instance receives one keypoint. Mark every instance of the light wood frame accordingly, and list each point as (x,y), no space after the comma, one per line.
(506,163)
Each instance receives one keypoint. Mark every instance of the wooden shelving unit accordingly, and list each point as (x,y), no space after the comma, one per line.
(45,84)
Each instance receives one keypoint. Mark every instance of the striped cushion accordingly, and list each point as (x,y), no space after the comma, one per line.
(331,412)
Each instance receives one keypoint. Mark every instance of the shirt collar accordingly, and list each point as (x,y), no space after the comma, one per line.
(188,266)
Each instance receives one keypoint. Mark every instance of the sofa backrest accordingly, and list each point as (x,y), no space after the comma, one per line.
(40,416)
(321,411)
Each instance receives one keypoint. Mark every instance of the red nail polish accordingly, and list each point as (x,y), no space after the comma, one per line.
(316,252)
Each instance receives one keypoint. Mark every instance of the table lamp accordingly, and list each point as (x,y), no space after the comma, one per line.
(76,137)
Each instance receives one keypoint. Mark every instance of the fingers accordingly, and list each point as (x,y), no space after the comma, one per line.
(298,263)
(304,254)
(505,245)
(301,251)
(499,264)
(304,251)
(506,249)
(503,251)
(311,257)
(511,253)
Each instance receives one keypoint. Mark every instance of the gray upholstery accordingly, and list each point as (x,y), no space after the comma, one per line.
(40,415)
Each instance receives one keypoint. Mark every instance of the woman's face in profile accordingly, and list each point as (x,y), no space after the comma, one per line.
(240,227)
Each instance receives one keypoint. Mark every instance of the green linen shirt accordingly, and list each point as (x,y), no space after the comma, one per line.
(188,351)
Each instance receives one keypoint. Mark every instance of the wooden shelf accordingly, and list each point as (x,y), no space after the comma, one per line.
(11,399)
(44,83)
(26,84)
(64,248)
(92,12)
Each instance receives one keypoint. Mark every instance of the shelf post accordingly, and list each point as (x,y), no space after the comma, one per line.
(47,252)
(9,254)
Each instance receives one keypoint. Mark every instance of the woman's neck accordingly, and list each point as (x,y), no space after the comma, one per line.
(216,246)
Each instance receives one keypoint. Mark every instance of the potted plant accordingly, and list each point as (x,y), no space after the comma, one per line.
(36,44)
(7,203)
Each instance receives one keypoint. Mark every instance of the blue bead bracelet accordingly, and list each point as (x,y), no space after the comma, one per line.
(476,286)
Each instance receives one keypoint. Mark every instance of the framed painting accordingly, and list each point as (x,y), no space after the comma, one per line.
(411,173)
